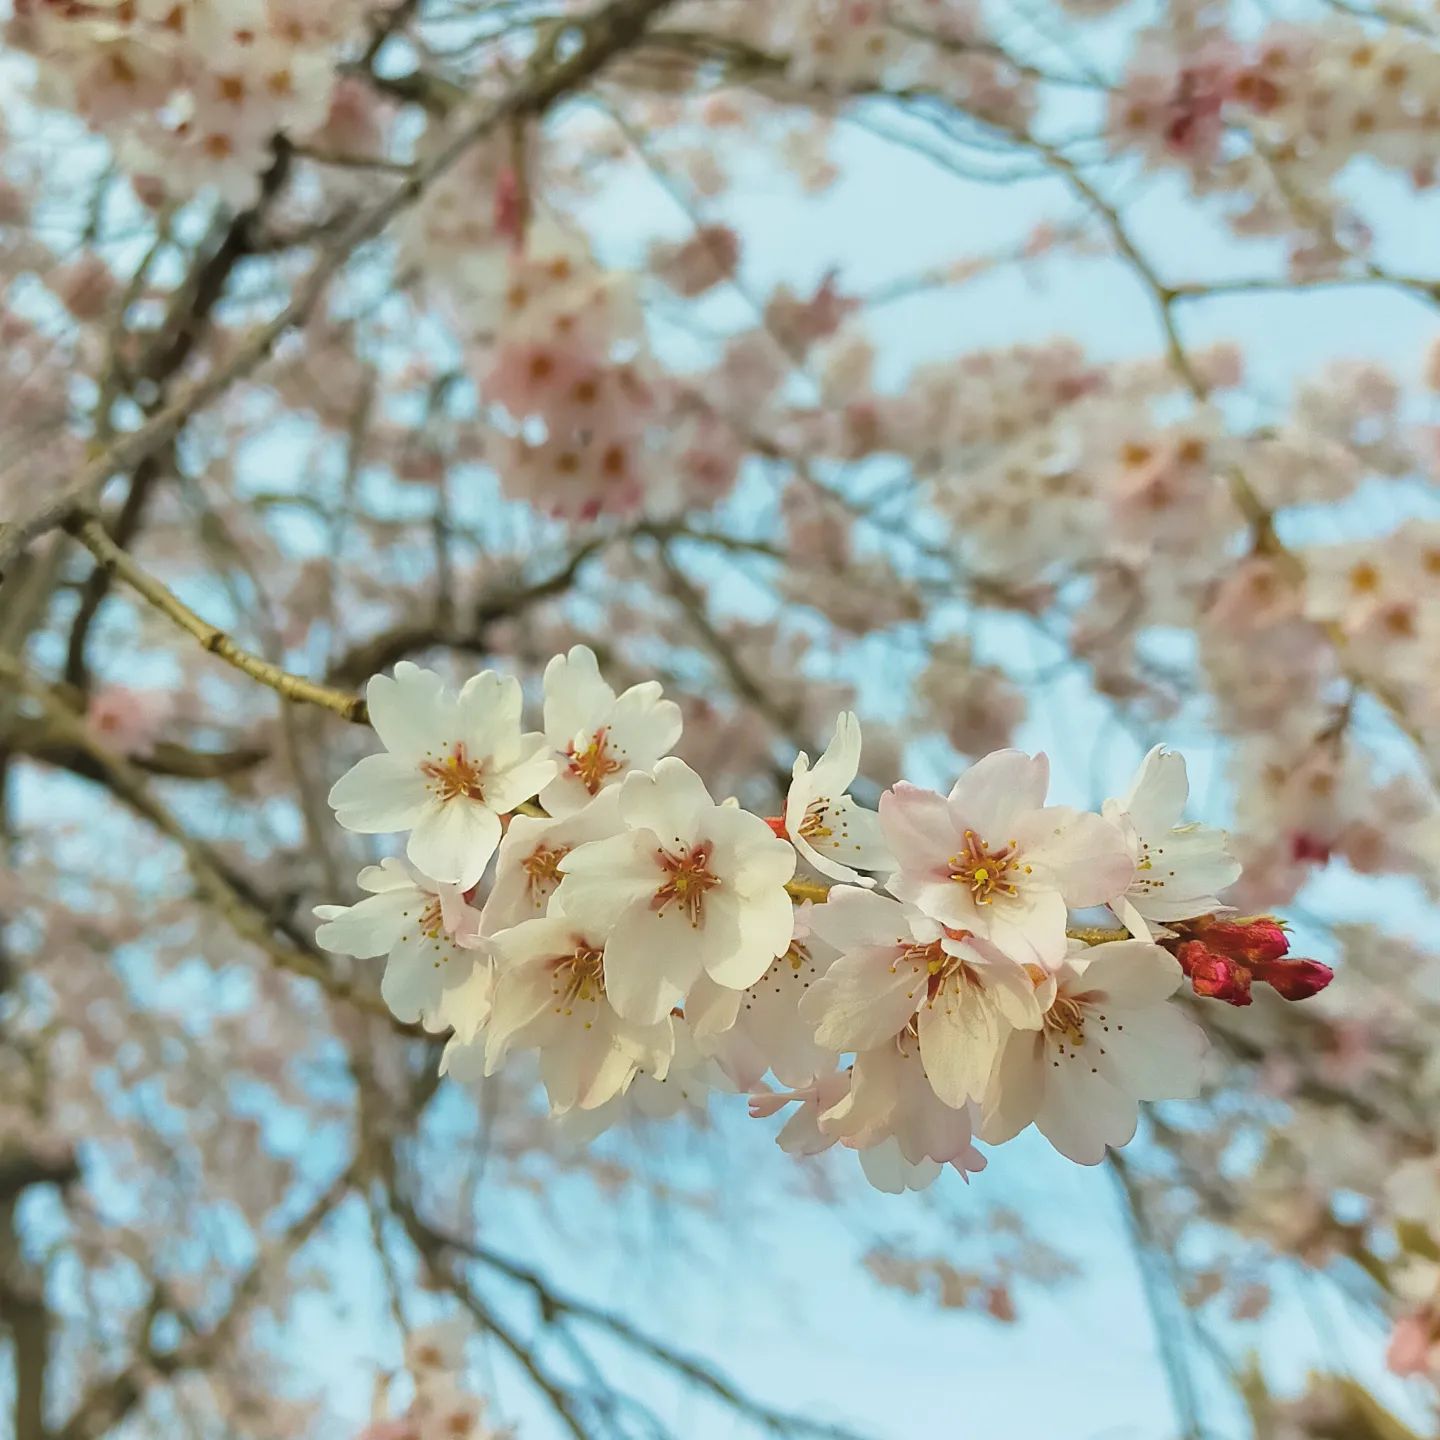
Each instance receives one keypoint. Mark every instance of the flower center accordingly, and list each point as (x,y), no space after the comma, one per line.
(592,764)
(1066,1019)
(456,776)
(688,879)
(432,922)
(937,965)
(579,976)
(984,870)
(542,871)
(813,826)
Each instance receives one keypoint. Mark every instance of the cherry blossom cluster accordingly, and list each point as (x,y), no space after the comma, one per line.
(1312,96)
(908,978)
(193,94)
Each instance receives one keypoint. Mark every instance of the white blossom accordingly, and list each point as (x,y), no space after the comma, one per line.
(453,765)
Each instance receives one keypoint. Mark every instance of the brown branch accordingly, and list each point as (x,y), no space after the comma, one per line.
(38,741)
(380,652)
(250,914)
(91,533)
(25,1314)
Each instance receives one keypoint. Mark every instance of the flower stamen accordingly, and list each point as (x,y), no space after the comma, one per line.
(688,880)
(578,976)
(456,776)
(985,870)
(542,871)
(594,763)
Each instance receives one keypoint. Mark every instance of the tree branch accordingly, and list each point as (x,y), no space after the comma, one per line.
(91,533)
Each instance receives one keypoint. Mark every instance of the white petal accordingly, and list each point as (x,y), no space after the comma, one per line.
(1131,973)
(1017,1087)
(379,795)
(1081,855)
(530,770)
(959,1043)
(643,727)
(1082,1113)
(766,923)
(864,999)
(601,879)
(489,715)
(454,840)
(994,792)
(406,710)
(670,801)
(370,928)
(851,917)
(1158,793)
(1159,1054)
(651,960)
(576,698)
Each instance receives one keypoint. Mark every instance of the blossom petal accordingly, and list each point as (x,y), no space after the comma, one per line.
(1130,974)
(669,800)
(959,1043)
(1158,793)
(488,716)
(1017,1088)
(1084,1113)
(918,828)
(864,999)
(601,879)
(577,699)
(370,928)
(406,709)
(1159,1054)
(1081,855)
(380,794)
(651,960)
(996,790)
(454,840)
(643,726)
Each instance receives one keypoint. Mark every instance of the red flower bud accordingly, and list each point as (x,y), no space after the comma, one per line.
(1215,976)
(1295,979)
(1252,940)
(777,824)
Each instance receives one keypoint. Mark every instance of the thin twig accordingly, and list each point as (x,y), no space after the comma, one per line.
(91,533)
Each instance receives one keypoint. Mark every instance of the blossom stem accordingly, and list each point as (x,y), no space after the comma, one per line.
(815,890)
(1098,934)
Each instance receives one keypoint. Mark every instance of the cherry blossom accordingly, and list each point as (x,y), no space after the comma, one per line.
(346,337)
(426,930)
(760,1029)
(1108,1040)
(899,971)
(597,736)
(1180,870)
(452,766)
(550,996)
(993,859)
(824,823)
(527,864)
(691,886)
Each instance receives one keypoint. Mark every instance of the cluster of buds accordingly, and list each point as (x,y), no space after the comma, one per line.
(1224,958)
